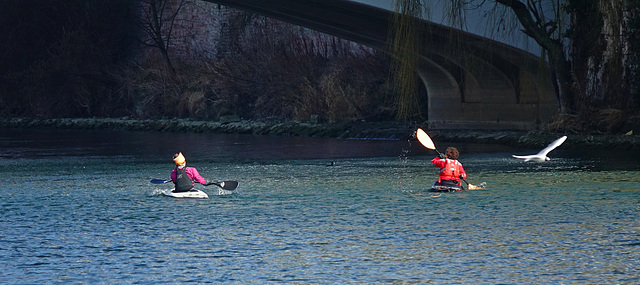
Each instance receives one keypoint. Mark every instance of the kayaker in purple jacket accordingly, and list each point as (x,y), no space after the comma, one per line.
(183,177)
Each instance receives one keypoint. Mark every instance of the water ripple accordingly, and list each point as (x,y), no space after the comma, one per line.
(97,220)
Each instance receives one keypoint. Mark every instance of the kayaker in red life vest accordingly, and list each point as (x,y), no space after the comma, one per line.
(183,177)
(450,168)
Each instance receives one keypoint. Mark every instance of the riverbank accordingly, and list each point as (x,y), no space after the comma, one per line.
(351,130)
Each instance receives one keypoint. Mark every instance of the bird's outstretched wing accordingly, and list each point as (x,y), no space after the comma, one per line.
(552,146)
(521,156)
(525,157)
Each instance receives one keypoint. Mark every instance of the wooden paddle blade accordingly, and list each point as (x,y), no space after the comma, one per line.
(228,185)
(476,187)
(425,140)
(159,181)
(473,187)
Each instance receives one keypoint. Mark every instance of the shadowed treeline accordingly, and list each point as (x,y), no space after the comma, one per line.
(58,57)
(86,59)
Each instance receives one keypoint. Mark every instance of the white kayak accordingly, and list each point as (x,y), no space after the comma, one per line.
(189,194)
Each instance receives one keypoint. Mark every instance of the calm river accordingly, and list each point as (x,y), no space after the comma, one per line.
(77,207)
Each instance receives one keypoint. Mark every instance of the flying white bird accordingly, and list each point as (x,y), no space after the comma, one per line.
(542,155)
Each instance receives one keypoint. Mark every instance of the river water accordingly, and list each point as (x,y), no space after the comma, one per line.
(77,207)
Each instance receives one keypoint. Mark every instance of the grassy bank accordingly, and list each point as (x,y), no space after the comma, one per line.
(392,130)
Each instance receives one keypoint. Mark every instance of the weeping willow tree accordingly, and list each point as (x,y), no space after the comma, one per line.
(539,20)
(591,46)
(406,42)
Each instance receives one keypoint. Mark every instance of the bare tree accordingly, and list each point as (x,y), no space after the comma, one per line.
(548,33)
(157,19)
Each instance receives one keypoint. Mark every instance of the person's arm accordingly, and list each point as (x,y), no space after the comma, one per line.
(174,176)
(462,172)
(193,173)
(438,162)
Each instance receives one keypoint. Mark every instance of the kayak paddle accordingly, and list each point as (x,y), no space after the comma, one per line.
(159,181)
(226,185)
(426,141)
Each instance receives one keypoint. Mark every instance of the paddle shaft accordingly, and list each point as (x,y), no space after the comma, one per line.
(226,185)
(465,181)
(159,181)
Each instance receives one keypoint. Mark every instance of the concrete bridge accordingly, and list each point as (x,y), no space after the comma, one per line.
(471,82)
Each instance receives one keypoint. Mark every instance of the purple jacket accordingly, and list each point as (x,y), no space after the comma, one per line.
(192,173)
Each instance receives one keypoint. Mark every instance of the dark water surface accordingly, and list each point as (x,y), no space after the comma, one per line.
(77,207)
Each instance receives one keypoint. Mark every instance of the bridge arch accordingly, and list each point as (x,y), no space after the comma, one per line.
(471,82)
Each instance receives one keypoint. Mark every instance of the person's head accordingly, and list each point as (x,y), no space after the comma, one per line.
(452,153)
(178,158)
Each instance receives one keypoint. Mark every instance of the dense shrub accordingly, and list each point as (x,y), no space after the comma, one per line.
(266,69)
(79,59)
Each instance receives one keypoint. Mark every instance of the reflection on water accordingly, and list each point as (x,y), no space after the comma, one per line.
(207,147)
(77,208)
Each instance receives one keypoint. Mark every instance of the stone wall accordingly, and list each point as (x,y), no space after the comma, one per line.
(198,28)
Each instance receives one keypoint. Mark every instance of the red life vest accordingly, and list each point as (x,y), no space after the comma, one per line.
(450,171)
